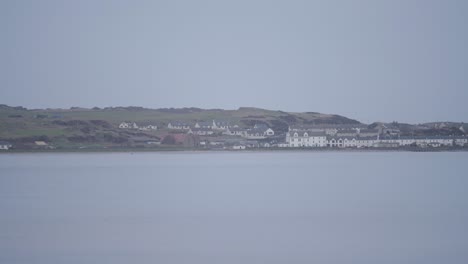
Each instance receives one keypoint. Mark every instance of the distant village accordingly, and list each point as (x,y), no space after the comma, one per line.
(217,134)
(211,134)
(225,135)
(136,128)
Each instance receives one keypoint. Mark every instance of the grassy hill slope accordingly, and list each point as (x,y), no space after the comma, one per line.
(20,122)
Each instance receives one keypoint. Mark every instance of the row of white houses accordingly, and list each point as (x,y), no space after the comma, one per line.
(212,125)
(130,125)
(296,139)
(351,130)
(338,130)
(257,132)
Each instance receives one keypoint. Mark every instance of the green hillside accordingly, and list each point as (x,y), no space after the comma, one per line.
(78,126)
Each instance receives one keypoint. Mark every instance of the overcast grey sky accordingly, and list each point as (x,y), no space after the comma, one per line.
(372,60)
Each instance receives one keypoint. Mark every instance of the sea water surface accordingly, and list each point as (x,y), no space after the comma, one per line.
(223,208)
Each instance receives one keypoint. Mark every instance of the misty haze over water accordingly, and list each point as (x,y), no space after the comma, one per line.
(287,207)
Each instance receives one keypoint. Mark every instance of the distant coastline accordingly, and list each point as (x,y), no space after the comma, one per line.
(132,129)
(259,150)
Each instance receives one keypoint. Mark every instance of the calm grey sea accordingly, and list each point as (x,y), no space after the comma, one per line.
(284,207)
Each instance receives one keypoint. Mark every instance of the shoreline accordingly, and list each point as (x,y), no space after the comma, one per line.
(185,150)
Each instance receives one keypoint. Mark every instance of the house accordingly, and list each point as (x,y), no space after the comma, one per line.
(434,141)
(267,131)
(460,141)
(329,129)
(342,142)
(362,138)
(259,133)
(200,131)
(208,125)
(148,127)
(254,134)
(420,141)
(306,138)
(406,141)
(366,142)
(178,125)
(333,142)
(236,131)
(130,125)
(124,125)
(220,125)
(151,127)
(5,145)
(349,142)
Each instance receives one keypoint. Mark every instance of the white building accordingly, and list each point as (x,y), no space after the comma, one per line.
(335,143)
(178,125)
(208,125)
(329,129)
(130,125)
(306,139)
(366,142)
(434,141)
(259,133)
(268,132)
(124,125)
(460,141)
(406,141)
(236,131)
(254,134)
(5,145)
(221,125)
(368,139)
(148,127)
(349,142)
(423,141)
(388,143)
